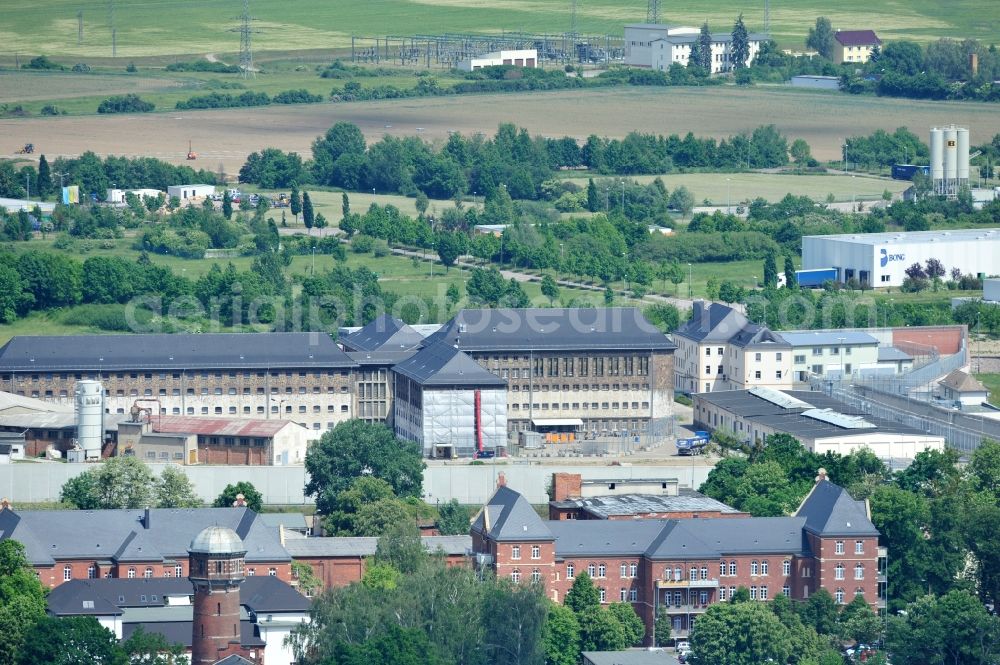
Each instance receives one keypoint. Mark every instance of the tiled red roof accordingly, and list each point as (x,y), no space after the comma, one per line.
(218,426)
(857,37)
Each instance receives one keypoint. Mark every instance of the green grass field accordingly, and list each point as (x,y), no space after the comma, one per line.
(992,383)
(204,26)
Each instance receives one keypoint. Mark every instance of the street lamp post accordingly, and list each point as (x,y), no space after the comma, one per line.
(690,291)
(560,254)
(840,349)
(313,261)
(623,196)
(729,205)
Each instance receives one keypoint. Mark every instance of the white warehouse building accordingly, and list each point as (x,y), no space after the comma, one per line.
(659,46)
(881,259)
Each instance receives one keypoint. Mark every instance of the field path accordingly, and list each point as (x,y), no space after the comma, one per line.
(227,136)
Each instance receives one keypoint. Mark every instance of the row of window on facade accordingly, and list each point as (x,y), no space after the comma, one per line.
(576,387)
(579,366)
(131,573)
(600,570)
(585,406)
(148,376)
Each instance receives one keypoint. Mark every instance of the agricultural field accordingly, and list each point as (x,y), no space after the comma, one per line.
(146,29)
(227,136)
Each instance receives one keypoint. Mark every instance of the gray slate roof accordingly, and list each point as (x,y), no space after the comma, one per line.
(791,421)
(555,329)
(891,353)
(260,593)
(384,333)
(124,535)
(179,632)
(638,504)
(757,336)
(233,659)
(441,364)
(305,548)
(828,338)
(509,516)
(830,511)
(961,382)
(171,352)
(713,322)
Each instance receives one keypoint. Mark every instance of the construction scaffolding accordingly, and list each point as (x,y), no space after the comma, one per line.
(449,49)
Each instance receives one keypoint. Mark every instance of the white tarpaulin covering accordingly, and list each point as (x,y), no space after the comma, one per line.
(449,419)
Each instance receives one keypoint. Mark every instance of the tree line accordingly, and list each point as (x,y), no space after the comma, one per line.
(477,165)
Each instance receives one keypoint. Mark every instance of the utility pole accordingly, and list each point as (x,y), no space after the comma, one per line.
(114,32)
(767,17)
(246,41)
(79,27)
(572,19)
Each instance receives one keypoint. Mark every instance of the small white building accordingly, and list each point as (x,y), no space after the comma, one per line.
(658,46)
(185,192)
(517,58)
(881,259)
(11,447)
(962,389)
(118,195)
(831,353)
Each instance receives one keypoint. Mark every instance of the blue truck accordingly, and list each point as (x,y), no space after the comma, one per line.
(815,277)
(694,445)
(907,171)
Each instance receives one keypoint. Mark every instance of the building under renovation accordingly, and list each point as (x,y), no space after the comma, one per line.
(448,403)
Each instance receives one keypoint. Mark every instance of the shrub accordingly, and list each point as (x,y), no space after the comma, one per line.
(43,62)
(218,100)
(380,249)
(362,244)
(203,66)
(300,96)
(125,104)
(49,109)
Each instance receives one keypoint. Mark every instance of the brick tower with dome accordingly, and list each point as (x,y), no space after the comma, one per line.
(217,556)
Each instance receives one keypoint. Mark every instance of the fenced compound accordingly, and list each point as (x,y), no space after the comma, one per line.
(447,50)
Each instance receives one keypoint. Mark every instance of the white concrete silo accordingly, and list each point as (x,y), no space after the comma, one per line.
(962,157)
(950,160)
(89,403)
(937,155)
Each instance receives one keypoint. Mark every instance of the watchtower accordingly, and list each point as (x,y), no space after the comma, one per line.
(216,561)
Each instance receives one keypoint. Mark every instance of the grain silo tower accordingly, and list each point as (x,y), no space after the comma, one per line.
(949,159)
(89,403)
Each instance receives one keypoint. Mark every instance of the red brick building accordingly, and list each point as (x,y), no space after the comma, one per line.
(681,566)
(339,561)
(63,545)
(628,499)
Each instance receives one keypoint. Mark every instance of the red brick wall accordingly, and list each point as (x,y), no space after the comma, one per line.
(215,625)
(232,455)
(946,339)
(828,560)
(52,576)
(566,486)
(340,571)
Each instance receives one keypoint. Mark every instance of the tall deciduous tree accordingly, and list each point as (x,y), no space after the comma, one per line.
(820,38)
(593,196)
(561,636)
(44,178)
(227,205)
(356,448)
(739,49)
(295,202)
(741,634)
(70,641)
(515,614)
(770,271)
(791,278)
(600,630)
(582,594)
(119,482)
(550,289)
(251,495)
(954,628)
(635,629)
(22,599)
(174,490)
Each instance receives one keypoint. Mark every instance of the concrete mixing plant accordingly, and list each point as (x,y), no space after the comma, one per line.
(89,403)
(949,160)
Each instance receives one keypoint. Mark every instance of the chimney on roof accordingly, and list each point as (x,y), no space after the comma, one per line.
(821,475)
(281,534)
(701,311)
(501,480)
(241,501)
(145,518)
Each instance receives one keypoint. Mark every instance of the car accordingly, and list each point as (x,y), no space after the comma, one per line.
(484,454)
(684,647)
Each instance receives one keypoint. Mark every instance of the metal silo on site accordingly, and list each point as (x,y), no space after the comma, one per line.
(89,403)
(962,157)
(950,160)
(937,159)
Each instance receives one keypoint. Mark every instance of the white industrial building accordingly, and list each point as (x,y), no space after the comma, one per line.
(820,423)
(881,259)
(118,195)
(449,404)
(185,192)
(515,58)
(658,46)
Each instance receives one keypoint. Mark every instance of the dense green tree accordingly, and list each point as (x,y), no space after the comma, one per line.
(954,628)
(453,295)
(118,482)
(561,636)
(662,628)
(800,152)
(271,168)
(453,519)
(54,280)
(600,630)
(739,49)
(142,648)
(635,629)
(400,546)
(227,205)
(70,641)
(342,139)
(295,202)
(354,448)
(550,289)
(251,495)
(682,200)
(770,272)
(820,612)
(820,38)
(858,622)
(593,197)
(14,295)
(582,595)
(44,178)
(984,468)
(730,292)
(704,48)
(22,599)
(740,634)
(515,614)
(367,508)
(174,490)
(345,204)
(791,278)
(308,216)
(397,646)
(450,246)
